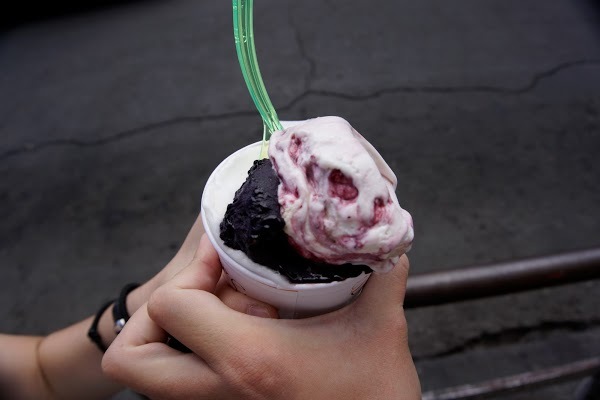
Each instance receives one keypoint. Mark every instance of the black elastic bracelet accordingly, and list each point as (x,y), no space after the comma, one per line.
(93,331)
(120,314)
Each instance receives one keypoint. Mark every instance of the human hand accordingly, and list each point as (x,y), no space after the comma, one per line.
(66,364)
(358,352)
(182,258)
(189,253)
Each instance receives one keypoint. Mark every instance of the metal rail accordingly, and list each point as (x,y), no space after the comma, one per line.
(504,278)
(517,382)
(501,278)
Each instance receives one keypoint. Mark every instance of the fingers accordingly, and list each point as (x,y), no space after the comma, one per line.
(183,257)
(188,310)
(141,343)
(242,303)
(202,273)
(201,322)
(384,291)
(190,244)
(206,253)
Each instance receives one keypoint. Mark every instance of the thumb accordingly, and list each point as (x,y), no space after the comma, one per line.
(243,303)
(385,290)
(202,273)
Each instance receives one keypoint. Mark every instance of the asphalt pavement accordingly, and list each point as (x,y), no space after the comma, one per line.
(113,117)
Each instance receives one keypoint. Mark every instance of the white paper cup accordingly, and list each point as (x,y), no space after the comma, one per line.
(293,300)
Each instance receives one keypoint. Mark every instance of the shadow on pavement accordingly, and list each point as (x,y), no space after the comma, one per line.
(34,11)
(591,9)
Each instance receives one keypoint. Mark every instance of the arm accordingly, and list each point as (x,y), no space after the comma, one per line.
(18,366)
(358,352)
(62,365)
(67,365)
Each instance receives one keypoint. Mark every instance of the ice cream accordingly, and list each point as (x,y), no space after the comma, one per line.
(324,210)
(337,196)
(328,287)
(253,224)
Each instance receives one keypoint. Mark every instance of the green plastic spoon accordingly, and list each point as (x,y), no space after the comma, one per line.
(243,32)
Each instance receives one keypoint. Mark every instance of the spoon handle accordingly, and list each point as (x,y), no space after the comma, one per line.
(243,32)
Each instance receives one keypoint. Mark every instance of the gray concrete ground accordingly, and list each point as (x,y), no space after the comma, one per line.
(488,110)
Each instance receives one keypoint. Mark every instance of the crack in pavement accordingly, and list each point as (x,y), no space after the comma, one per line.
(531,85)
(31,148)
(511,336)
(312,65)
(528,87)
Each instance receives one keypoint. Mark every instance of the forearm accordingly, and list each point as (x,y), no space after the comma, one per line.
(19,377)
(62,365)
(70,364)
(66,364)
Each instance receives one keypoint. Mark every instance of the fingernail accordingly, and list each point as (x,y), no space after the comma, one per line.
(258,311)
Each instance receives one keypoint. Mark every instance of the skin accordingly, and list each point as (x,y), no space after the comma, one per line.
(358,352)
(67,365)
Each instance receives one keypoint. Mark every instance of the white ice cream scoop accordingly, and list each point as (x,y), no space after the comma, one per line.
(337,195)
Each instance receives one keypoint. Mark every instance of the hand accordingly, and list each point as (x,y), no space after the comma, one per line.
(358,352)
(66,364)
(189,254)
(181,259)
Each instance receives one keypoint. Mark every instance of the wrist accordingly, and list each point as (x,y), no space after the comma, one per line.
(139,296)
(104,328)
